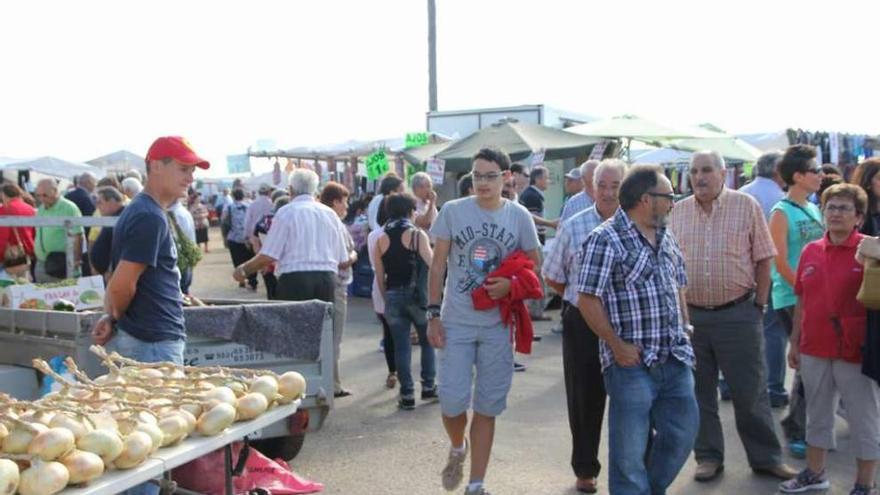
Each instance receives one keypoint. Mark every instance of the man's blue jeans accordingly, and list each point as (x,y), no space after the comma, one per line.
(403,313)
(146,352)
(775,340)
(641,399)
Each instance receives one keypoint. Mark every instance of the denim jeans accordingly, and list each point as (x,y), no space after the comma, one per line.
(146,352)
(641,398)
(402,312)
(775,340)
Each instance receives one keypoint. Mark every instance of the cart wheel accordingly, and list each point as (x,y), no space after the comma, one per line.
(281,447)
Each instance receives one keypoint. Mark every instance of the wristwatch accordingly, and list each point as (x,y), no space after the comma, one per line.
(432,311)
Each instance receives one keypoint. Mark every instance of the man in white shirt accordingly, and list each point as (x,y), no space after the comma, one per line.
(307,242)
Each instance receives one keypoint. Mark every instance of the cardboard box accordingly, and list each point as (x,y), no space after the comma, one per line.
(88,293)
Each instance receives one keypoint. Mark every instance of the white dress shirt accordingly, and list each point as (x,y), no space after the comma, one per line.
(373,211)
(306,236)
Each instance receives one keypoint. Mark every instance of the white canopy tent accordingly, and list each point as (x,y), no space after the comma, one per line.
(49,165)
(119,161)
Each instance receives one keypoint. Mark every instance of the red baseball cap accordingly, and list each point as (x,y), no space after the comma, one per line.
(177,148)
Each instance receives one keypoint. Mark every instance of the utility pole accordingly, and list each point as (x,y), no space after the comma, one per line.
(432,56)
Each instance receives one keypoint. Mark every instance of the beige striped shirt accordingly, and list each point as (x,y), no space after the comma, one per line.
(721,248)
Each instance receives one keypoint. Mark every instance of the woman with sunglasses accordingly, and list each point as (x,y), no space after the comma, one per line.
(794,222)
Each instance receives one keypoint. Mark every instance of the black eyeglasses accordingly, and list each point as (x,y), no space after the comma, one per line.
(669,196)
(815,170)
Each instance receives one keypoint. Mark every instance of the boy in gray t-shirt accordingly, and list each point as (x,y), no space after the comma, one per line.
(473,236)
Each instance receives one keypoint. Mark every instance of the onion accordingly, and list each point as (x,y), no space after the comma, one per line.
(9,477)
(52,444)
(110,379)
(216,420)
(104,443)
(77,427)
(237,387)
(82,466)
(43,417)
(194,409)
(152,430)
(187,416)
(174,427)
(221,394)
(266,385)
(43,478)
(291,385)
(251,405)
(136,447)
(21,436)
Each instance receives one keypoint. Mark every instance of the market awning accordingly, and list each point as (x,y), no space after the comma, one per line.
(420,154)
(119,161)
(633,127)
(519,140)
(49,165)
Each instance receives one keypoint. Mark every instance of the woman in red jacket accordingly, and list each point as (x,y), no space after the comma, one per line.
(12,198)
(826,344)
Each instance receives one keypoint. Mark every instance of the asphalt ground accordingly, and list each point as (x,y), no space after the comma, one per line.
(369,446)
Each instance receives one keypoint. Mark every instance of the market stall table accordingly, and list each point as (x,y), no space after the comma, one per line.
(191,448)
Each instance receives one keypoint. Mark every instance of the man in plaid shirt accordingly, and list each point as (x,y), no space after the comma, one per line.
(631,288)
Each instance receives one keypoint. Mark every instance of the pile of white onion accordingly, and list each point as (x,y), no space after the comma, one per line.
(118,420)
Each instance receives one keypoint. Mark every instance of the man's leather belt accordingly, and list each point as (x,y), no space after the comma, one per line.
(730,304)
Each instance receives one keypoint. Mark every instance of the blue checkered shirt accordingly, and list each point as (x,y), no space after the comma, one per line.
(575,204)
(639,288)
(563,264)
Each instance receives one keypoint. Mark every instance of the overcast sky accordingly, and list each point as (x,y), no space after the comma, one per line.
(81,79)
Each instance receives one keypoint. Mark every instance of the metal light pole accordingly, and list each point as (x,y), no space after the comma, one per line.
(432,56)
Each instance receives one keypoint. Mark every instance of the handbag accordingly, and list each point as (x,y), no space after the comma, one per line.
(56,264)
(56,261)
(15,259)
(869,292)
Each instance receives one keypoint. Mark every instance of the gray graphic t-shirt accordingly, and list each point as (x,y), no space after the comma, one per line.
(479,241)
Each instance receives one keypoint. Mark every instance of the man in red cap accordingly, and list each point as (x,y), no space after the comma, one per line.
(144,306)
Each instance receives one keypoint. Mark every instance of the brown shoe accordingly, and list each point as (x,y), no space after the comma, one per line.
(585,485)
(779,471)
(708,471)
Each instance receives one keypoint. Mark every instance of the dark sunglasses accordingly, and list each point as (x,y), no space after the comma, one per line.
(669,196)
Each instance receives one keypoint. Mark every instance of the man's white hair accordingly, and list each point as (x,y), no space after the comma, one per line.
(587,166)
(609,164)
(719,160)
(132,185)
(303,181)
(420,179)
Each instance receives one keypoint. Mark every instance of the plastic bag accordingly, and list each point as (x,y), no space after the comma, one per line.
(205,474)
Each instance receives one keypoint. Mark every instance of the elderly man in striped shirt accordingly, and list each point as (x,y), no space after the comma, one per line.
(580,346)
(728,252)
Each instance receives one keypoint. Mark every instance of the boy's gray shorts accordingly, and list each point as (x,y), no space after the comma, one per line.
(486,350)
